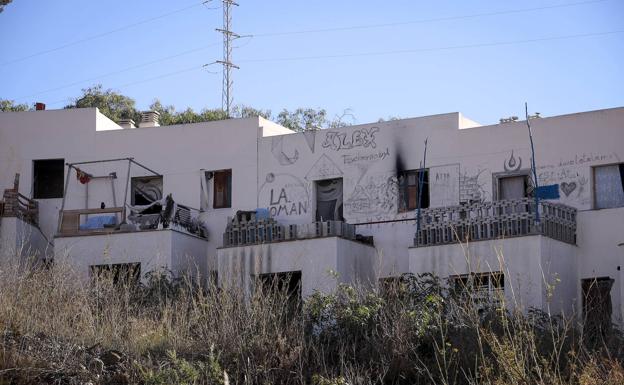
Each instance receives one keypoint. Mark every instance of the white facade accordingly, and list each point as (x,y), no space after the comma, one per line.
(275,169)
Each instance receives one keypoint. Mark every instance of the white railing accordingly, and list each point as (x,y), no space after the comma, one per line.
(492,220)
(246,229)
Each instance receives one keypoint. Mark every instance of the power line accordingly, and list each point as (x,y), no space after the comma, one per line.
(141,65)
(378,53)
(396,52)
(166,75)
(422,21)
(93,37)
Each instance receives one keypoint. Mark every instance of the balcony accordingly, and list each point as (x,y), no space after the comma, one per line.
(323,253)
(494,220)
(251,228)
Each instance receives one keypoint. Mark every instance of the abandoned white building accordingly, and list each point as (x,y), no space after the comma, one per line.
(242,198)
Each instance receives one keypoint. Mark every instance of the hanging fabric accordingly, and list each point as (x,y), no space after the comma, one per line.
(329,200)
(82,176)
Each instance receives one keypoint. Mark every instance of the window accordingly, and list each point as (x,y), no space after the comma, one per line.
(409,182)
(146,191)
(222,189)
(609,186)
(329,200)
(48,178)
(484,287)
(119,273)
(512,187)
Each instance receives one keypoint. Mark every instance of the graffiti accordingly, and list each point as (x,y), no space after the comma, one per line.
(567,188)
(364,137)
(310,138)
(572,181)
(586,158)
(444,185)
(323,168)
(381,155)
(582,182)
(284,196)
(277,149)
(471,189)
(378,195)
(511,164)
(558,175)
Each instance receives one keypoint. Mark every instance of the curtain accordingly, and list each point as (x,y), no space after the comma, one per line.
(329,200)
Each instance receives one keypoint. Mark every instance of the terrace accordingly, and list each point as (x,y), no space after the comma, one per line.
(493,220)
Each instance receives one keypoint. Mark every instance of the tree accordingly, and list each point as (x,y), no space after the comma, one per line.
(3,3)
(307,119)
(9,105)
(243,111)
(110,103)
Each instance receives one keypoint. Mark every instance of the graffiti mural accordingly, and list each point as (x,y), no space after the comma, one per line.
(472,188)
(323,168)
(285,196)
(512,164)
(444,185)
(364,137)
(277,149)
(373,196)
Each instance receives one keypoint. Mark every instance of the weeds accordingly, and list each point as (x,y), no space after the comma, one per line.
(57,329)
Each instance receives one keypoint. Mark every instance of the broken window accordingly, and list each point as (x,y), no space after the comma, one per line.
(146,191)
(119,274)
(48,178)
(287,283)
(597,307)
(329,200)
(409,189)
(222,188)
(609,186)
(483,287)
(512,187)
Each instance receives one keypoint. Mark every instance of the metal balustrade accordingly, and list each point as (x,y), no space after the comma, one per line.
(492,220)
(247,229)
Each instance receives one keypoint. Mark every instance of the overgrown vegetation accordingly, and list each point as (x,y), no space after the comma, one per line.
(55,329)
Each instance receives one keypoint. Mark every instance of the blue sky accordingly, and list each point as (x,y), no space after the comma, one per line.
(483,58)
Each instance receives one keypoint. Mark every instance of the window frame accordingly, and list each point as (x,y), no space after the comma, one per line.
(404,189)
(496,177)
(228,193)
(594,197)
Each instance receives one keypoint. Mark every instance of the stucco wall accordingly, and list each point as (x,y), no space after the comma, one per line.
(323,262)
(20,241)
(461,160)
(178,152)
(155,250)
(532,266)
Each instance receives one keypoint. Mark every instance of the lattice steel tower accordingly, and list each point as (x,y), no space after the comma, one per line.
(228,37)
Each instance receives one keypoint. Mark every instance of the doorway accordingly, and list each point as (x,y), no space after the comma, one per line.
(329,200)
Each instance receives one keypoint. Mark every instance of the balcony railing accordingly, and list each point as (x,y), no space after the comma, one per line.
(248,229)
(498,219)
(14,204)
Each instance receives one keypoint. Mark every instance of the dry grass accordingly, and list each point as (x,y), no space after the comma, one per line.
(56,330)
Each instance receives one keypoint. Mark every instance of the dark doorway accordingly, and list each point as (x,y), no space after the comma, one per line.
(48,178)
(329,200)
(597,308)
